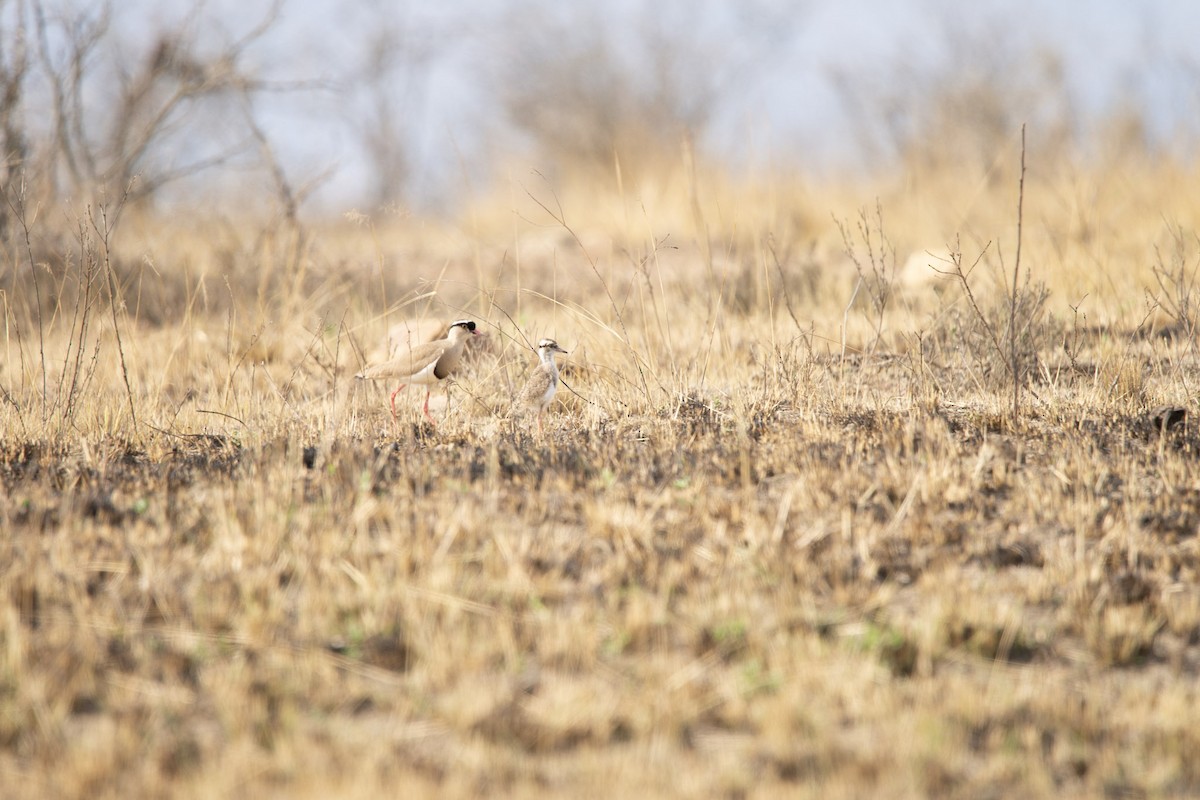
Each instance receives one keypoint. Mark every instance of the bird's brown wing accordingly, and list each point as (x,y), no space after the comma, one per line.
(535,388)
(447,362)
(407,363)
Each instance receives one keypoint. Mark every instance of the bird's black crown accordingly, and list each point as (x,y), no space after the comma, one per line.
(469,324)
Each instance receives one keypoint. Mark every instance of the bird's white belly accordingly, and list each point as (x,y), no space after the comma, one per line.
(548,395)
(425,374)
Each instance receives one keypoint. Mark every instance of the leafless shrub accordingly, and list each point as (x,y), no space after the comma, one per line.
(957,111)
(93,122)
(876,268)
(384,93)
(591,96)
(113,117)
(581,100)
(1013,327)
(991,337)
(1175,275)
(82,276)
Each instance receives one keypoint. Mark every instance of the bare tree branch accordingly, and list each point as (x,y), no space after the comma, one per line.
(164,95)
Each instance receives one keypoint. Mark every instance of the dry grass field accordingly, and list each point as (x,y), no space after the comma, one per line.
(783,535)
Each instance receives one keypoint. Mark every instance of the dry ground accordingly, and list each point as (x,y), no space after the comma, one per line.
(773,541)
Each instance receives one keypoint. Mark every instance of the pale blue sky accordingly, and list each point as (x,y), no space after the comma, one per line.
(785,107)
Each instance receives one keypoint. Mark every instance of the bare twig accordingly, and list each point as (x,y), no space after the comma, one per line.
(1015,288)
(238,420)
(234,369)
(104,229)
(963,278)
(787,295)
(846,316)
(80,323)
(19,210)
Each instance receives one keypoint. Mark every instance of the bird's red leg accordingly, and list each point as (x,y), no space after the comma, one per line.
(398,388)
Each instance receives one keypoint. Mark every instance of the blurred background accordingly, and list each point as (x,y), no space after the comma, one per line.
(371,104)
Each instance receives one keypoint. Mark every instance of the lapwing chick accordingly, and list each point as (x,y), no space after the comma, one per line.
(427,364)
(543,383)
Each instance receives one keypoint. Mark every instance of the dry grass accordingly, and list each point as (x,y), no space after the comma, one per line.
(771,542)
